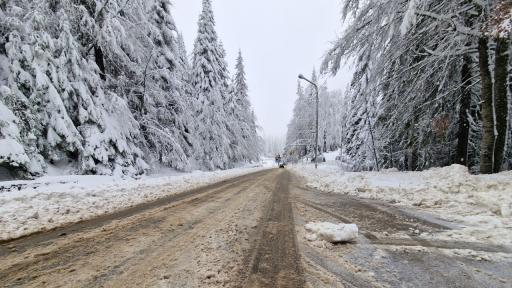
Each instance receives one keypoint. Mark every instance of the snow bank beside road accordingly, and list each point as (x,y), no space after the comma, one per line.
(482,203)
(30,206)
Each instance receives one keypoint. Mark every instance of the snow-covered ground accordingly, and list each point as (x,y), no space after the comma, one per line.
(52,201)
(482,204)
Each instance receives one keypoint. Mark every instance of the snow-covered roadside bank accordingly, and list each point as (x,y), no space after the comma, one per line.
(53,201)
(480,203)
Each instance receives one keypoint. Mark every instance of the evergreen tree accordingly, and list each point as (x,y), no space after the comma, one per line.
(59,137)
(250,142)
(164,110)
(424,100)
(20,123)
(13,154)
(91,111)
(107,86)
(301,131)
(209,83)
(293,147)
(300,136)
(67,115)
(187,95)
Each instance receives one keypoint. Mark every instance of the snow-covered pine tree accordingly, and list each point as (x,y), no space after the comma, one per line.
(184,76)
(209,83)
(296,145)
(301,130)
(307,117)
(164,118)
(413,76)
(356,138)
(250,141)
(19,124)
(235,148)
(481,24)
(68,115)
(107,129)
(79,77)
(59,139)
(13,154)
(331,117)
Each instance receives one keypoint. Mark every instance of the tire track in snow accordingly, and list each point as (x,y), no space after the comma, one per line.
(275,257)
(414,240)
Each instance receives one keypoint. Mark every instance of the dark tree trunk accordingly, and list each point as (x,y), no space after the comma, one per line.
(412,159)
(464,107)
(488,137)
(325,142)
(508,156)
(100,61)
(392,164)
(501,101)
(375,157)
(412,146)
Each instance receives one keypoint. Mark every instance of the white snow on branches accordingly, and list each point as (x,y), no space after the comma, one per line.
(410,17)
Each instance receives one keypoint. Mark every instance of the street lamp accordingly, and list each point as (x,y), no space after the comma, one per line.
(301,77)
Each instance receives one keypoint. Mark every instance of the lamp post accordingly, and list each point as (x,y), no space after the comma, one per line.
(301,77)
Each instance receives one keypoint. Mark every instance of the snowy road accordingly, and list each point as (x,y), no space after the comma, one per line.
(389,251)
(249,232)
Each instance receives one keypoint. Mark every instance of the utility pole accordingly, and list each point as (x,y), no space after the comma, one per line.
(301,77)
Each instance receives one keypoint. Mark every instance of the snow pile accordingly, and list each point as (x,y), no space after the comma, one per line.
(51,201)
(483,203)
(433,188)
(333,233)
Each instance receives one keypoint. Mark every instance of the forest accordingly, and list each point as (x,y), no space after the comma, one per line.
(431,88)
(108,87)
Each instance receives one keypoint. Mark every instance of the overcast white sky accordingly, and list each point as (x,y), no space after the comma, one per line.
(279,39)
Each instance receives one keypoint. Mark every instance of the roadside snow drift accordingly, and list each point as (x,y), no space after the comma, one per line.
(333,233)
(48,202)
(480,203)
